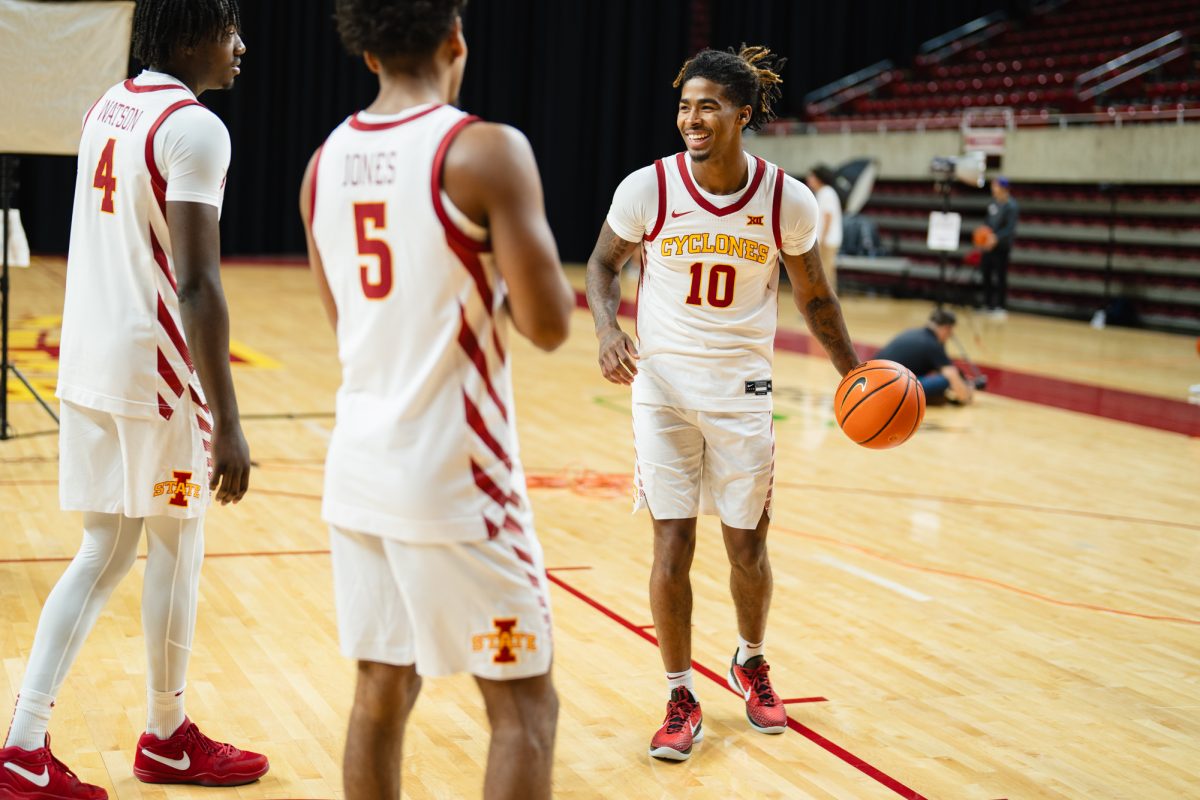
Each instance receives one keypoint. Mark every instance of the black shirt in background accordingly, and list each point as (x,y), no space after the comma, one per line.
(918,349)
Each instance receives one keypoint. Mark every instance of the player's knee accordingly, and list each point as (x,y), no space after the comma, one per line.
(749,555)
(385,690)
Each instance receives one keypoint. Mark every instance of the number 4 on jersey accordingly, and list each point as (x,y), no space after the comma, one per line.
(104,179)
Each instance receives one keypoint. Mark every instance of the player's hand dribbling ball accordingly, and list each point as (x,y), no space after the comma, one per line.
(879,404)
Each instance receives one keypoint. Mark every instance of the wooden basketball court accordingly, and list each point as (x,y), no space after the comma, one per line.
(1004,607)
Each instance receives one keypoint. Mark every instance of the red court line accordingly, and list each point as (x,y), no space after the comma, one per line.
(980,579)
(789,701)
(1146,410)
(845,755)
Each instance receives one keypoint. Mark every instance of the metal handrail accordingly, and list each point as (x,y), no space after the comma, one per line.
(854,78)
(1175,37)
(973,33)
(962,31)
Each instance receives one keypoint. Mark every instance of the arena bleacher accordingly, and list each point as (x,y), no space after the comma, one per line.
(1133,248)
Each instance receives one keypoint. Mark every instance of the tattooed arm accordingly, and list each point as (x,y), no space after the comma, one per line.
(617,351)
(820,307)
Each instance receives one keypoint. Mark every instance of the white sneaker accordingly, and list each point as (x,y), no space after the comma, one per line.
(997,314)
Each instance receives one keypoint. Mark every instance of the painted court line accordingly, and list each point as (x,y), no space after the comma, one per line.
(845,755)
(878,580)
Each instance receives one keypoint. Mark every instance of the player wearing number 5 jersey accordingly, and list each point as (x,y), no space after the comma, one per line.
(427,232)
(713,223)
(144,352)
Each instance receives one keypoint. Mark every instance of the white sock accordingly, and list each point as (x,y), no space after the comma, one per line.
(30,721)
(164,713)
(747,651)
(676,679)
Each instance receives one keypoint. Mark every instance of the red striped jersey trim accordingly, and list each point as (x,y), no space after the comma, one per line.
(474,266)
(156,179)
(164,408)
(160,258)
(521,554)
(470,344)
(776,205)
(203,423)
(489,487)
(475,420)
(196,398)
(361,125)
(130,86)
(750,191)
(168,374)
(173,333)
(660,174)
(454,234)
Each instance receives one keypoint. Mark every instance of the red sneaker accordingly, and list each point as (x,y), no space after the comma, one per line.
(191,757)
(681,729)
(38,775)
(764,709)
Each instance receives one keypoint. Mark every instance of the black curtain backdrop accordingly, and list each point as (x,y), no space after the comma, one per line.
(588,81)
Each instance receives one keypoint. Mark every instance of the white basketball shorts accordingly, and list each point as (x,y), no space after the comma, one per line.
(477,607)
(700,462)
(136,467)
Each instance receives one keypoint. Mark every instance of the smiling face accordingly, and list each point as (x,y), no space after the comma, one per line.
(708,121)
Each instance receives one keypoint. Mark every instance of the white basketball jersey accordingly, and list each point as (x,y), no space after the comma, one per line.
(707,303)
(122,349)
(425,446)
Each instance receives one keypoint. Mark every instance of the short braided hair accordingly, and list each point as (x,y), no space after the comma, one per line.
(749,75)
(161,27)
(396,29)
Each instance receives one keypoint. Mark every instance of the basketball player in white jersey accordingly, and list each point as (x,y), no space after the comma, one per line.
(713,223)
(145,339)
(427,232)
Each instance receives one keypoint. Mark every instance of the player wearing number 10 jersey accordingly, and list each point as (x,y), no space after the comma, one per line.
(713,223)
(427,231)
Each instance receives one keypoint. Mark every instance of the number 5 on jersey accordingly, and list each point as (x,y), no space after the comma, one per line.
(720,285)
(104,179)
(376,214)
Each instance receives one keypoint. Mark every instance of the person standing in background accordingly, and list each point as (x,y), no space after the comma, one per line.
(829,230)
(1002,214)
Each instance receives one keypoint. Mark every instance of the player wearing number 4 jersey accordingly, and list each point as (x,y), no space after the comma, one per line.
(427,231)
(713,223)
(145,340)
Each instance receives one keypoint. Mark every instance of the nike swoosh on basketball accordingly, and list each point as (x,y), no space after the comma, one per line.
(861,383)
(42,780)
(174,763)
(680,213)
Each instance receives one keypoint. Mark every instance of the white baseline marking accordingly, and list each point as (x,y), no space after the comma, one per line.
(898,588)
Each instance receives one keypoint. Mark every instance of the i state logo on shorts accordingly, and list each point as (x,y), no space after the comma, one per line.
(180,488)
(506,640)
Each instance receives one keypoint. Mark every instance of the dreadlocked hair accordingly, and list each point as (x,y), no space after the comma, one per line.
(161,27)
(749,75)
(396,30)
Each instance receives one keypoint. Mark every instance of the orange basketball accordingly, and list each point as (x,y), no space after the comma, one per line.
(984,236)
(879,404)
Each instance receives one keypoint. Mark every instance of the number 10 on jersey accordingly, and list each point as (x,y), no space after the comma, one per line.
(720,285)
